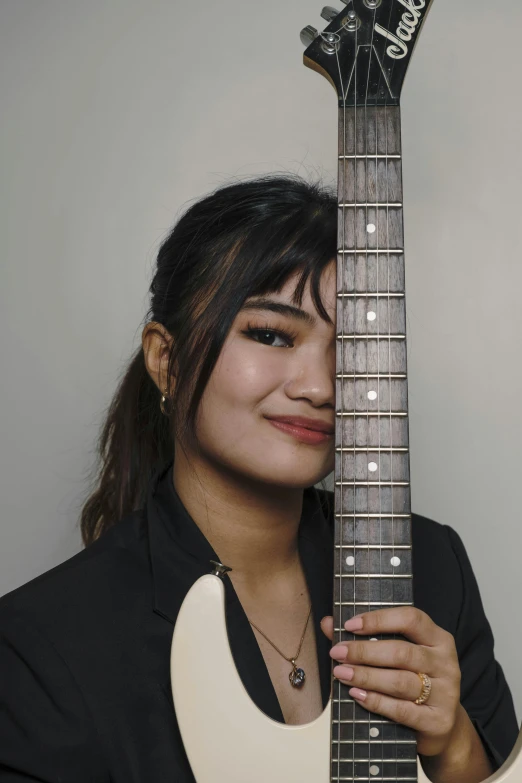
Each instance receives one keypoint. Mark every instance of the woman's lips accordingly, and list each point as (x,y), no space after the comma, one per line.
(301,433)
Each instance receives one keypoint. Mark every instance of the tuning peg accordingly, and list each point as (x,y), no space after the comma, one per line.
(329,13)
(308,35)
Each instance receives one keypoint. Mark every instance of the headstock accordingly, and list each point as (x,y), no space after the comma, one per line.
(365,49)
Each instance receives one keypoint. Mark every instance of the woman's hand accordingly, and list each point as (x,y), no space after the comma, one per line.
(384,672)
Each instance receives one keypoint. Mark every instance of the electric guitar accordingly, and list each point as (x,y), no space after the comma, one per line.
(364,52)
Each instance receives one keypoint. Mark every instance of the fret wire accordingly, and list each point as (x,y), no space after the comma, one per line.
(365,376)
(369,413)
(365,514)
(371,336)
(373,546)
(371,576)
(369,157)
(397,251)
(382,721)
(376,204)
(374,777)
(374,603)
(373,483)
(371,739)
(372,720)
(381,761)
(369,449)
(370,295)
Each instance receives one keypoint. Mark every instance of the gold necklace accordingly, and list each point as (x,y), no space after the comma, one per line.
(296,676)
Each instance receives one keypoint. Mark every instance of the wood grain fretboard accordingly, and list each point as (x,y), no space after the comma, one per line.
(372,533)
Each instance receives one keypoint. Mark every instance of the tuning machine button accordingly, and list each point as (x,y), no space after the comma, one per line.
(352,21)
(308,35)
(329,13)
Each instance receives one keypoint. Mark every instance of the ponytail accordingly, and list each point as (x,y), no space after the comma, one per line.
(134,442)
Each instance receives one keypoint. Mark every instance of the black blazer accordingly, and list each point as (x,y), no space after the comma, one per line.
(84,648)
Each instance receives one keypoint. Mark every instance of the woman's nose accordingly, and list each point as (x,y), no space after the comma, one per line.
(313,380)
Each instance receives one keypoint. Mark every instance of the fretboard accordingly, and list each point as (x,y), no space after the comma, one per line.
(373,558)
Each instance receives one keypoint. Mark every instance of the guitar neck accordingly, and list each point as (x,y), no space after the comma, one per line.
(372,531)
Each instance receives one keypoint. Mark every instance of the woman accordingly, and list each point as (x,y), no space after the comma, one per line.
(196,461)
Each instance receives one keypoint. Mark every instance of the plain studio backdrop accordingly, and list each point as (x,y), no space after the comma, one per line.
(116,114)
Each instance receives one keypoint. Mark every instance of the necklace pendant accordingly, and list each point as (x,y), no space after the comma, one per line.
(296,676)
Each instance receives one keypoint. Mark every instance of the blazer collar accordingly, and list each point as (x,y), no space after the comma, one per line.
(180,554)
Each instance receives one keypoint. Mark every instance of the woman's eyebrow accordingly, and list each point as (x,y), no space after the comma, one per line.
(281,308)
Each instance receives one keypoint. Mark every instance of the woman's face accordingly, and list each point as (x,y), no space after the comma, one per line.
(274,365)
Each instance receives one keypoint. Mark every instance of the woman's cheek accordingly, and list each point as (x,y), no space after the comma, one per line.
(248,375)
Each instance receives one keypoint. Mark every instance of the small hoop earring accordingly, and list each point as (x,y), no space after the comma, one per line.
(162,403)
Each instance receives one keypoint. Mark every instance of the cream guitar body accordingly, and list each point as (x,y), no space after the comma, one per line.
(226,736)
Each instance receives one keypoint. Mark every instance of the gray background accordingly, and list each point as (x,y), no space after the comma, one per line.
(114,114)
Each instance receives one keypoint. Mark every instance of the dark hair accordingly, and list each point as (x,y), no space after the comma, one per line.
(243,239)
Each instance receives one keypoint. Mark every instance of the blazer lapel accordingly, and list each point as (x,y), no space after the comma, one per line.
(180,554)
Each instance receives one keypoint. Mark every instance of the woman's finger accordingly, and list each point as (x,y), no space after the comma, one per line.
(387,653)
(397,683)
(327,626)
(409,621)
(416,716)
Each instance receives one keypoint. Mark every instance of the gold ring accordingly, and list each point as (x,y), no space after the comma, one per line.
(425,690)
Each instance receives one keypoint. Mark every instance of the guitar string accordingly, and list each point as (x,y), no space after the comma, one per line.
(379,315)
(366,131)
(341,276)
(366,344)
(388,303)
(354,240)
(354,317)
(358,312)
(353,362)
(354,353)
(378,310)
(341,238)
(389,369)
(399,260)
(389,380)
(354,359)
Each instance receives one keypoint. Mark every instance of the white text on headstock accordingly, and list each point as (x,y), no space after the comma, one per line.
(405,31)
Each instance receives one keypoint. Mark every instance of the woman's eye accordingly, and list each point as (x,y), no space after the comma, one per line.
(270,337)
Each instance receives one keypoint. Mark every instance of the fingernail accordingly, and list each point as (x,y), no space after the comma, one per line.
(343,672)
(355,624)
(357,693)
(338,652)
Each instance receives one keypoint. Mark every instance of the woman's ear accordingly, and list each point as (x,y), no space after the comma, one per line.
(156,342)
